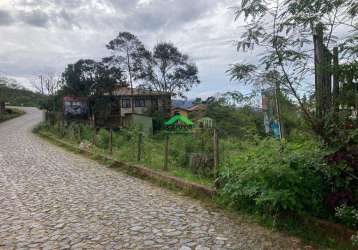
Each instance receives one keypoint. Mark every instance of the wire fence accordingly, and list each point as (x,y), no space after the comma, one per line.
(194,153)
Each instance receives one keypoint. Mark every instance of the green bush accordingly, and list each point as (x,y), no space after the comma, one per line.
(349,216)
(102,139)
(86,132)
(273,179)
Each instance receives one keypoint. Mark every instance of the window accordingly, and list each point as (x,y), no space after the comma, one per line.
(126,103)
(139,102)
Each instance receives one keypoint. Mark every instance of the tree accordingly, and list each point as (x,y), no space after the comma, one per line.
(95,80)
(169,71)
(107,78)
(128,53)
(47,84)
(79,78)
(235,119)
(285,31)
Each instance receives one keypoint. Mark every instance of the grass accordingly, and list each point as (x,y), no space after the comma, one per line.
(10,114)
(125,149)
(301,226)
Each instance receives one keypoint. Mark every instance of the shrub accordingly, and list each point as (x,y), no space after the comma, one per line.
(102,139)
(86,132)
(271,179)
(349,216)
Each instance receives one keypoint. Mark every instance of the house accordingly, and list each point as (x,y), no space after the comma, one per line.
(180,111)
(134,107)
(198,111)
(141,101)
(125,107)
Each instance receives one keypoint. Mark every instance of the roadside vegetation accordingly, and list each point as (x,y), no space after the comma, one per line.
(125,148)
(308,169)
(10,114)
(278,183)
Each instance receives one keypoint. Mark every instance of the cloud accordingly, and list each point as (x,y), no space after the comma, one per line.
(6,18)
(37,18)
(43,34)
(156,15)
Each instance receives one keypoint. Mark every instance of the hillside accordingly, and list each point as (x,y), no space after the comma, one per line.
(16,95)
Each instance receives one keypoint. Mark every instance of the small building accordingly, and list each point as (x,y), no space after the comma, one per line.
(180,111)
(205,122)
(144,123)
(2,107)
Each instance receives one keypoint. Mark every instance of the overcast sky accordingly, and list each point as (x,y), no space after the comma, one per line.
(45,35)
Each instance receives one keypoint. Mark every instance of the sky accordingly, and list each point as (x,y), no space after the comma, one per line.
(39,36)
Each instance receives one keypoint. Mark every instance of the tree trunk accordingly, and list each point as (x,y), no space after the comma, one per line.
(327,94)
(319,74)
(335,81)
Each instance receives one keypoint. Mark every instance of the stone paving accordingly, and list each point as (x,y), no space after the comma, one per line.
(53,199)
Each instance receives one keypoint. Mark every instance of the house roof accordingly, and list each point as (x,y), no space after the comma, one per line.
(124,91)
(180,108)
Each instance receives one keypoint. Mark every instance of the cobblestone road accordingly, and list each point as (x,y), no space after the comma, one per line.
(52,199)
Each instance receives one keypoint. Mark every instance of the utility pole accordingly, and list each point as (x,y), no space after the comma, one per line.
(41,84)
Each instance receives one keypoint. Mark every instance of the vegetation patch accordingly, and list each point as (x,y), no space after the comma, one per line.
(279,186)
(16,95)
(10,114)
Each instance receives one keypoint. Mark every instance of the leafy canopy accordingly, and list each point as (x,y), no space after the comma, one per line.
(170,71)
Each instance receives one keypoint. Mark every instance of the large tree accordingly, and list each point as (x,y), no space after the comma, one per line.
(47,83)
(128,53)
(170,71)
(80,77)
(95,80)
(285,32)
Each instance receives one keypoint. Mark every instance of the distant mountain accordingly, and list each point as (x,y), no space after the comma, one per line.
(182,103)
(16,95)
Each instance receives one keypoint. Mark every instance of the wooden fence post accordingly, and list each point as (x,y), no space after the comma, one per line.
(216,151)
(79,133)
(94,136)
(140,141)
(110,141)
(62,126)
(166,153)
